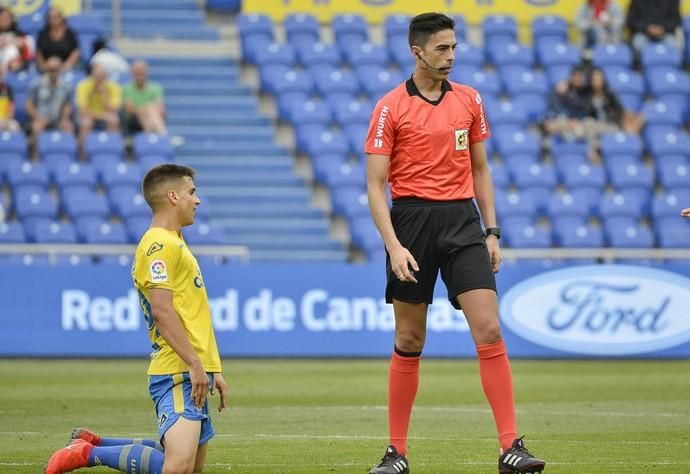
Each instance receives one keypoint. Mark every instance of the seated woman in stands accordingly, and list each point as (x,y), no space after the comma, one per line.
(606,111)
(57,39)
(16,48)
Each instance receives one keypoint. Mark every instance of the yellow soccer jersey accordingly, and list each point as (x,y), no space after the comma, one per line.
(163,260)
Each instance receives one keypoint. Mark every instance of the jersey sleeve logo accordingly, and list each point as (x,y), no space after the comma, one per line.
(378,140)
(155,247)
(159,272)
(461,139)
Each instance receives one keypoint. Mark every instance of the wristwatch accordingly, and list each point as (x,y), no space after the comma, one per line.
(495,231)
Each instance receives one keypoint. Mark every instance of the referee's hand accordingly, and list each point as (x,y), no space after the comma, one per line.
(494,253)
(401,263)
(685,212)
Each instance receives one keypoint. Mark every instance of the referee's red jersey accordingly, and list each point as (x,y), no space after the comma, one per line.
(428,142)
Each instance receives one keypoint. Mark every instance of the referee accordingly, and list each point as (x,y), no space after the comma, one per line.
(426,139)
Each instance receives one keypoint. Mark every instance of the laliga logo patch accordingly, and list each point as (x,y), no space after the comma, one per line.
(159,272)
(461,139)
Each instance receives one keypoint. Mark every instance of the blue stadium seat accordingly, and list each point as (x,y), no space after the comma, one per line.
(468,54)
(516,223)
(500,175)
(667,204)
(56,143)
(587,175)
(579,236)
(396,26)
(618,54)
(203,233)
(529,237)
(366,236)
(366,54)
(291,80)
(663,81)
(128,204)
(624,176)
(486,82)
(498,28)
(562,162)
(317,54)
(72,78)
(514,204)
(34,203)
(255,31)
(506,112)
(301,29)
(521,142)
(105,233)
(104,143)
(351,202)
(550,54)
(660,112)
(352,111)
(322,164)
(660,54)
(348,28)
(52,232)
(377,81)
(672,232)
(560,148)
(549,29)
(136,226)
(75,174)
(304,134)
(620,143)
(83,202)
(13,145)
(620,205)
(27,173)
(567,205)
(152,144)
(400,53)
(12,233)
(535,175)
(519,80)
(673,174)
(121,174)
(539,195)
(624,81)
(327,142)
(276,54)
(556,74)
(510,54)
(667,141)
(148,161)
(311,111)
(628,236)
(288,101)
(329,81)
(345,175)
(356,134)
(20,81)
(31,24)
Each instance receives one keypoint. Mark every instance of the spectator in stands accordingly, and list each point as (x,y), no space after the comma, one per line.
(112,61)
(606,111)
(655,20)
(16,47)
(48,104)
(568,106)
(57,39)
(98,102)
(599,22)
(7,121)
(144,106)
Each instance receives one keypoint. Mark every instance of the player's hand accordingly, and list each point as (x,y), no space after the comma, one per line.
(494,252)
(401,262)
(199,381)
(685,212)
(219,383)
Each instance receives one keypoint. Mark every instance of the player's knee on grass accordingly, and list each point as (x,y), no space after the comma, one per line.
(181,444)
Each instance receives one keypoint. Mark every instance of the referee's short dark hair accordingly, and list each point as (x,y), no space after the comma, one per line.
(156,177)
(426,25)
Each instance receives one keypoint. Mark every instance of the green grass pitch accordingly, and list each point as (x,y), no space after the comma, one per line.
(297,416)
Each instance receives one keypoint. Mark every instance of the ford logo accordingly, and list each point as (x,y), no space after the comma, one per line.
(601,310)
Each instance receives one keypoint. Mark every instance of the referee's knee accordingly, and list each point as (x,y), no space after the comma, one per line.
(409,342)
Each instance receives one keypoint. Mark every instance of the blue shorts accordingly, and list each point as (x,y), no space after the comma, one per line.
(172,396)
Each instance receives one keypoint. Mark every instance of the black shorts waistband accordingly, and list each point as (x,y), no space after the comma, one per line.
(417,201)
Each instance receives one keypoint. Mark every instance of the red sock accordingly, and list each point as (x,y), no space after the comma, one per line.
(497,380)
(402,388)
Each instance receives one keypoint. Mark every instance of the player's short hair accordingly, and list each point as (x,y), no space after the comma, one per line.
(156,177)
(423,26)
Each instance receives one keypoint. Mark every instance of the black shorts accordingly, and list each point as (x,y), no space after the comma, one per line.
(133,125)
(440,235)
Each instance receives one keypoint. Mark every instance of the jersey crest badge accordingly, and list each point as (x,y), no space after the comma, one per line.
(159,272)
(155,247)
(461,139)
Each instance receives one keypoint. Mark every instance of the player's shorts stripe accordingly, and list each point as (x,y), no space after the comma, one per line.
(145,457)
(122,461)
(178,393)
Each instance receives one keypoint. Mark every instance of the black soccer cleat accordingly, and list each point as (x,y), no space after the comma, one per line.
(391,463)
(517,460)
